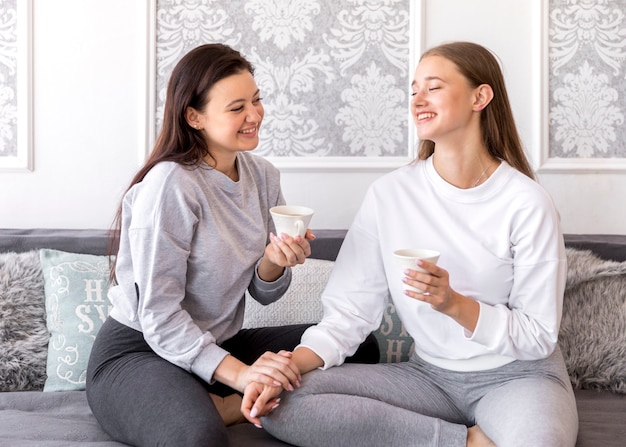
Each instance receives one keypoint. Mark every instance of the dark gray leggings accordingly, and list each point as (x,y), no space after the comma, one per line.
(143,400)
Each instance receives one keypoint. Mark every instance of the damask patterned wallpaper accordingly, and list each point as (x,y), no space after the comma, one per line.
(587,50)
(334,75)
(8,78)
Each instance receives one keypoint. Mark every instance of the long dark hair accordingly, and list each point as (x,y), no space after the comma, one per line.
(497,124)
(189,85)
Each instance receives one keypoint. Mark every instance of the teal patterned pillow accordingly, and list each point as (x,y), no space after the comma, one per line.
(76,288)
(396,345)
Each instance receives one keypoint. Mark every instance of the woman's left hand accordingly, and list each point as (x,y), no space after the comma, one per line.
(284,251)
(287,251)
(435,284)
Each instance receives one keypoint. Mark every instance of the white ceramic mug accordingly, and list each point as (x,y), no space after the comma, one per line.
(291,219)
(405,259)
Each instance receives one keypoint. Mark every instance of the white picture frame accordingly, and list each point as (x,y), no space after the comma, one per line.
(308,163)
(22,160)
(546,162)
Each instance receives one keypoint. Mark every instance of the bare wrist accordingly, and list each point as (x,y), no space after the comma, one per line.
(268,271)
(232,372)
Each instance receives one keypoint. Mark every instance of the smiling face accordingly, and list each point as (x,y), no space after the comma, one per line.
(231,120)
(443,103)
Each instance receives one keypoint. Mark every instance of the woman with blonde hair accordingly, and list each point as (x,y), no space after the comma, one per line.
(486,368)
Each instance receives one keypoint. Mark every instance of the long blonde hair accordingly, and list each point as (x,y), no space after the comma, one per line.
(497,125)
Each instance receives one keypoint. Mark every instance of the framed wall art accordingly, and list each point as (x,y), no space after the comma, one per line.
(584,86)
(334,76)
(16,151)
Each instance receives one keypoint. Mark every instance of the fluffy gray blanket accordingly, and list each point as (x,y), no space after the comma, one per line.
(593,329)
(23,333)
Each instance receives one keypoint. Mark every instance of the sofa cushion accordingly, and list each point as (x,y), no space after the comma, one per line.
(76,303)
(396,345)
(302,304)
(593,328)
(36,419)
(23,333)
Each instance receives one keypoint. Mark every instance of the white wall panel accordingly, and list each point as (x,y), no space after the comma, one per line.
(90,117)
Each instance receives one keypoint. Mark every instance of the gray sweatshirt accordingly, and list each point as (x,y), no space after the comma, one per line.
(190,242)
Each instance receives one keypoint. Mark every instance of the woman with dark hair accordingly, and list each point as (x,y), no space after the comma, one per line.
(485,319)
(193,236)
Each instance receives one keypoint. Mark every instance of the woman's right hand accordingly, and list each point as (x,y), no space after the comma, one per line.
(271,369)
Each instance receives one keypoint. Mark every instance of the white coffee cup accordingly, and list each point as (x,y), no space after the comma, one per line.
(406,257)
(291,219)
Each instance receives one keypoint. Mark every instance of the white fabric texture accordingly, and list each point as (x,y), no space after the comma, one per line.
(501,243)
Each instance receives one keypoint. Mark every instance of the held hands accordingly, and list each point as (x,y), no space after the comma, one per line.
(271,369)
(259,400)
(261,397)
(264,380)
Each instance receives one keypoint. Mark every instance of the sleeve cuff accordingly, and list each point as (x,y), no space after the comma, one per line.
(206,363)
(489,326)
(268,292)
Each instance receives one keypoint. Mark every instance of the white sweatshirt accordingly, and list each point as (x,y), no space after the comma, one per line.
(191,239)
(501,244)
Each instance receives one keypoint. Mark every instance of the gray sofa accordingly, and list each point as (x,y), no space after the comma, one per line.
(593,336)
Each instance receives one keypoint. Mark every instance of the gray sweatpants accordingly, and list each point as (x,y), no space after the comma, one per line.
(524,403)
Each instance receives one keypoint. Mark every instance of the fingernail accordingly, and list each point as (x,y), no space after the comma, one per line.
(254,412)
(275,407)
(258,426)
(276,383)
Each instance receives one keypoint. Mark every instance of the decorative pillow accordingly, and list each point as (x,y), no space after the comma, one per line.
(23,333)
(396,345)
(76,288)
(593,329)
(302,304)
